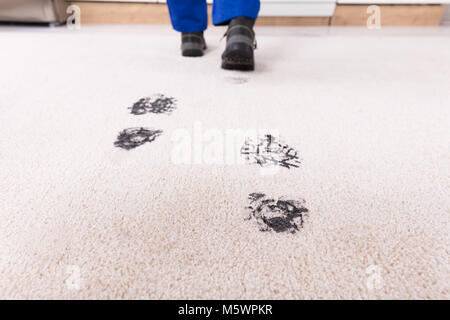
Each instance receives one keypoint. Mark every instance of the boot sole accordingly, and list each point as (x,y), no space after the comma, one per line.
(243,64)
(236,61)
(192,53)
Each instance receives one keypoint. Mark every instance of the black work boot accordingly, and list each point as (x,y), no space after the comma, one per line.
(238,54)
(192,44)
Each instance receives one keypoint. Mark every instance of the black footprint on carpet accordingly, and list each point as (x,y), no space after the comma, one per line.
(157,103)
(277,215)
(237,80)
(268,150)
(134,137)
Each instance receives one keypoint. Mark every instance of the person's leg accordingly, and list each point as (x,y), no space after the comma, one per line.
(189,17)
(225,10)
(240,16)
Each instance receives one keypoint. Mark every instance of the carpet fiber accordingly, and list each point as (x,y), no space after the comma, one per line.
(102,196)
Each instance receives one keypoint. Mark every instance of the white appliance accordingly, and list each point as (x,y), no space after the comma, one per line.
(33,11)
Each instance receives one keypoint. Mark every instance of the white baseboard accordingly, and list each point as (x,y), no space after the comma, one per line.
(298,9)
(392,1)
(287,8)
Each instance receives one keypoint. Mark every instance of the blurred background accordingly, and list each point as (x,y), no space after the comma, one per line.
(273,12)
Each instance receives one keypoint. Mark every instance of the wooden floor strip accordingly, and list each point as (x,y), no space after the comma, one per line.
(345,15)
(391,15)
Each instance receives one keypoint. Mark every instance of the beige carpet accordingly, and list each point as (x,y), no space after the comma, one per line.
(367,113)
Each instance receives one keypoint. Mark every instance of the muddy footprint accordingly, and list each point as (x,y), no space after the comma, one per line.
(279,215)
(157,103)
(268,150)
(134,137)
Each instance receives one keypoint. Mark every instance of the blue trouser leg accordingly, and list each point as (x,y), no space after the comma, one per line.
(188,15)
(225,10)
(191,15)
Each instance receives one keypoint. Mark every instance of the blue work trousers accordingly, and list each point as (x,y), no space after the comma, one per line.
(191,15)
